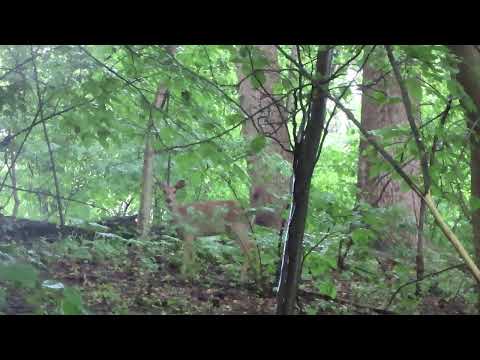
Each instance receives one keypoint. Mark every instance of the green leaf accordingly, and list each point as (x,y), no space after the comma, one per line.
(469,104)
(378,97)
(243,52)
(102,136)
(286,83)
(371,218)
(100,51)
(323,199)
(234,119)
(278,87)
(82,253)
(258,79)
(378,168)
(24,274)
(327,288)
(414,88)
(318,265)
(453,87)
(404,187)
(72,302)
(362,235)
(208,150)
(474,203)
(208,125)
(422,52)
(311,310)
(257,144)
(3,298)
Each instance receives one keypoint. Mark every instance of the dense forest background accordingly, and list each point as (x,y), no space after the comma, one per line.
(349,177)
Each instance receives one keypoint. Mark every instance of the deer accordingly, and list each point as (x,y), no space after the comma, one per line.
(209,218)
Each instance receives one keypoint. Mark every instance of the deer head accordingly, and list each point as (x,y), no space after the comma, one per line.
(170,192)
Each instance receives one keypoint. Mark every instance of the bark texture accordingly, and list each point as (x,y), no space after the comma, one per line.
(305,154)
(146,196)
(469,78)
(268,117)
(381,190)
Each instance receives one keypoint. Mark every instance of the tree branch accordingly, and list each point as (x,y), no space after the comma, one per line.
(418,280)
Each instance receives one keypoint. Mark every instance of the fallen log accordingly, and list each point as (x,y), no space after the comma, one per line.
(25,230)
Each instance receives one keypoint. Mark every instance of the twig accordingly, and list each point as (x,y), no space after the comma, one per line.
(418,280)
(18,66)
(428,198)
(52,161)
(319,242)
(346,302)
(46,193)
(411,120)
(231,100)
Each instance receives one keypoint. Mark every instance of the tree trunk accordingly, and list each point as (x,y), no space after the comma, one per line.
(382,190)
(469,78)
(10,158)
(305,154)
(267,117)
(13,177)
(146,197)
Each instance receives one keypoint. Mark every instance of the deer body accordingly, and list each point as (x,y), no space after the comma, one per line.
(209,218)
(199,217)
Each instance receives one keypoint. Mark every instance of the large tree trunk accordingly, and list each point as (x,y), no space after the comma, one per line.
(469,78)
(267,117)
(305,154)
(382,190)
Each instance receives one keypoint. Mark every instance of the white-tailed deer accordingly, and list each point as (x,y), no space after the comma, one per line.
(210,218)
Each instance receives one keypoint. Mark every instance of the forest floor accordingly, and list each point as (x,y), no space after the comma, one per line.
(130,277)
(109,288)
(122,277)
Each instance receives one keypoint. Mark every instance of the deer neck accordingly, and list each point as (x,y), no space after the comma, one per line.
(174,208)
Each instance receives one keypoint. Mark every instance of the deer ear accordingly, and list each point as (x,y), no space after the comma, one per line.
(180,184)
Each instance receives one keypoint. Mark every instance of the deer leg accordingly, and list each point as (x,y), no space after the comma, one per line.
(241,235)
(187,254)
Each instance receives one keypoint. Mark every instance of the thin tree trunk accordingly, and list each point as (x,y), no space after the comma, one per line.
(305,154)
(144,216)
(10,158)
(420,263)
(47,140)
(13,177)
(55,177)
(146,197)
